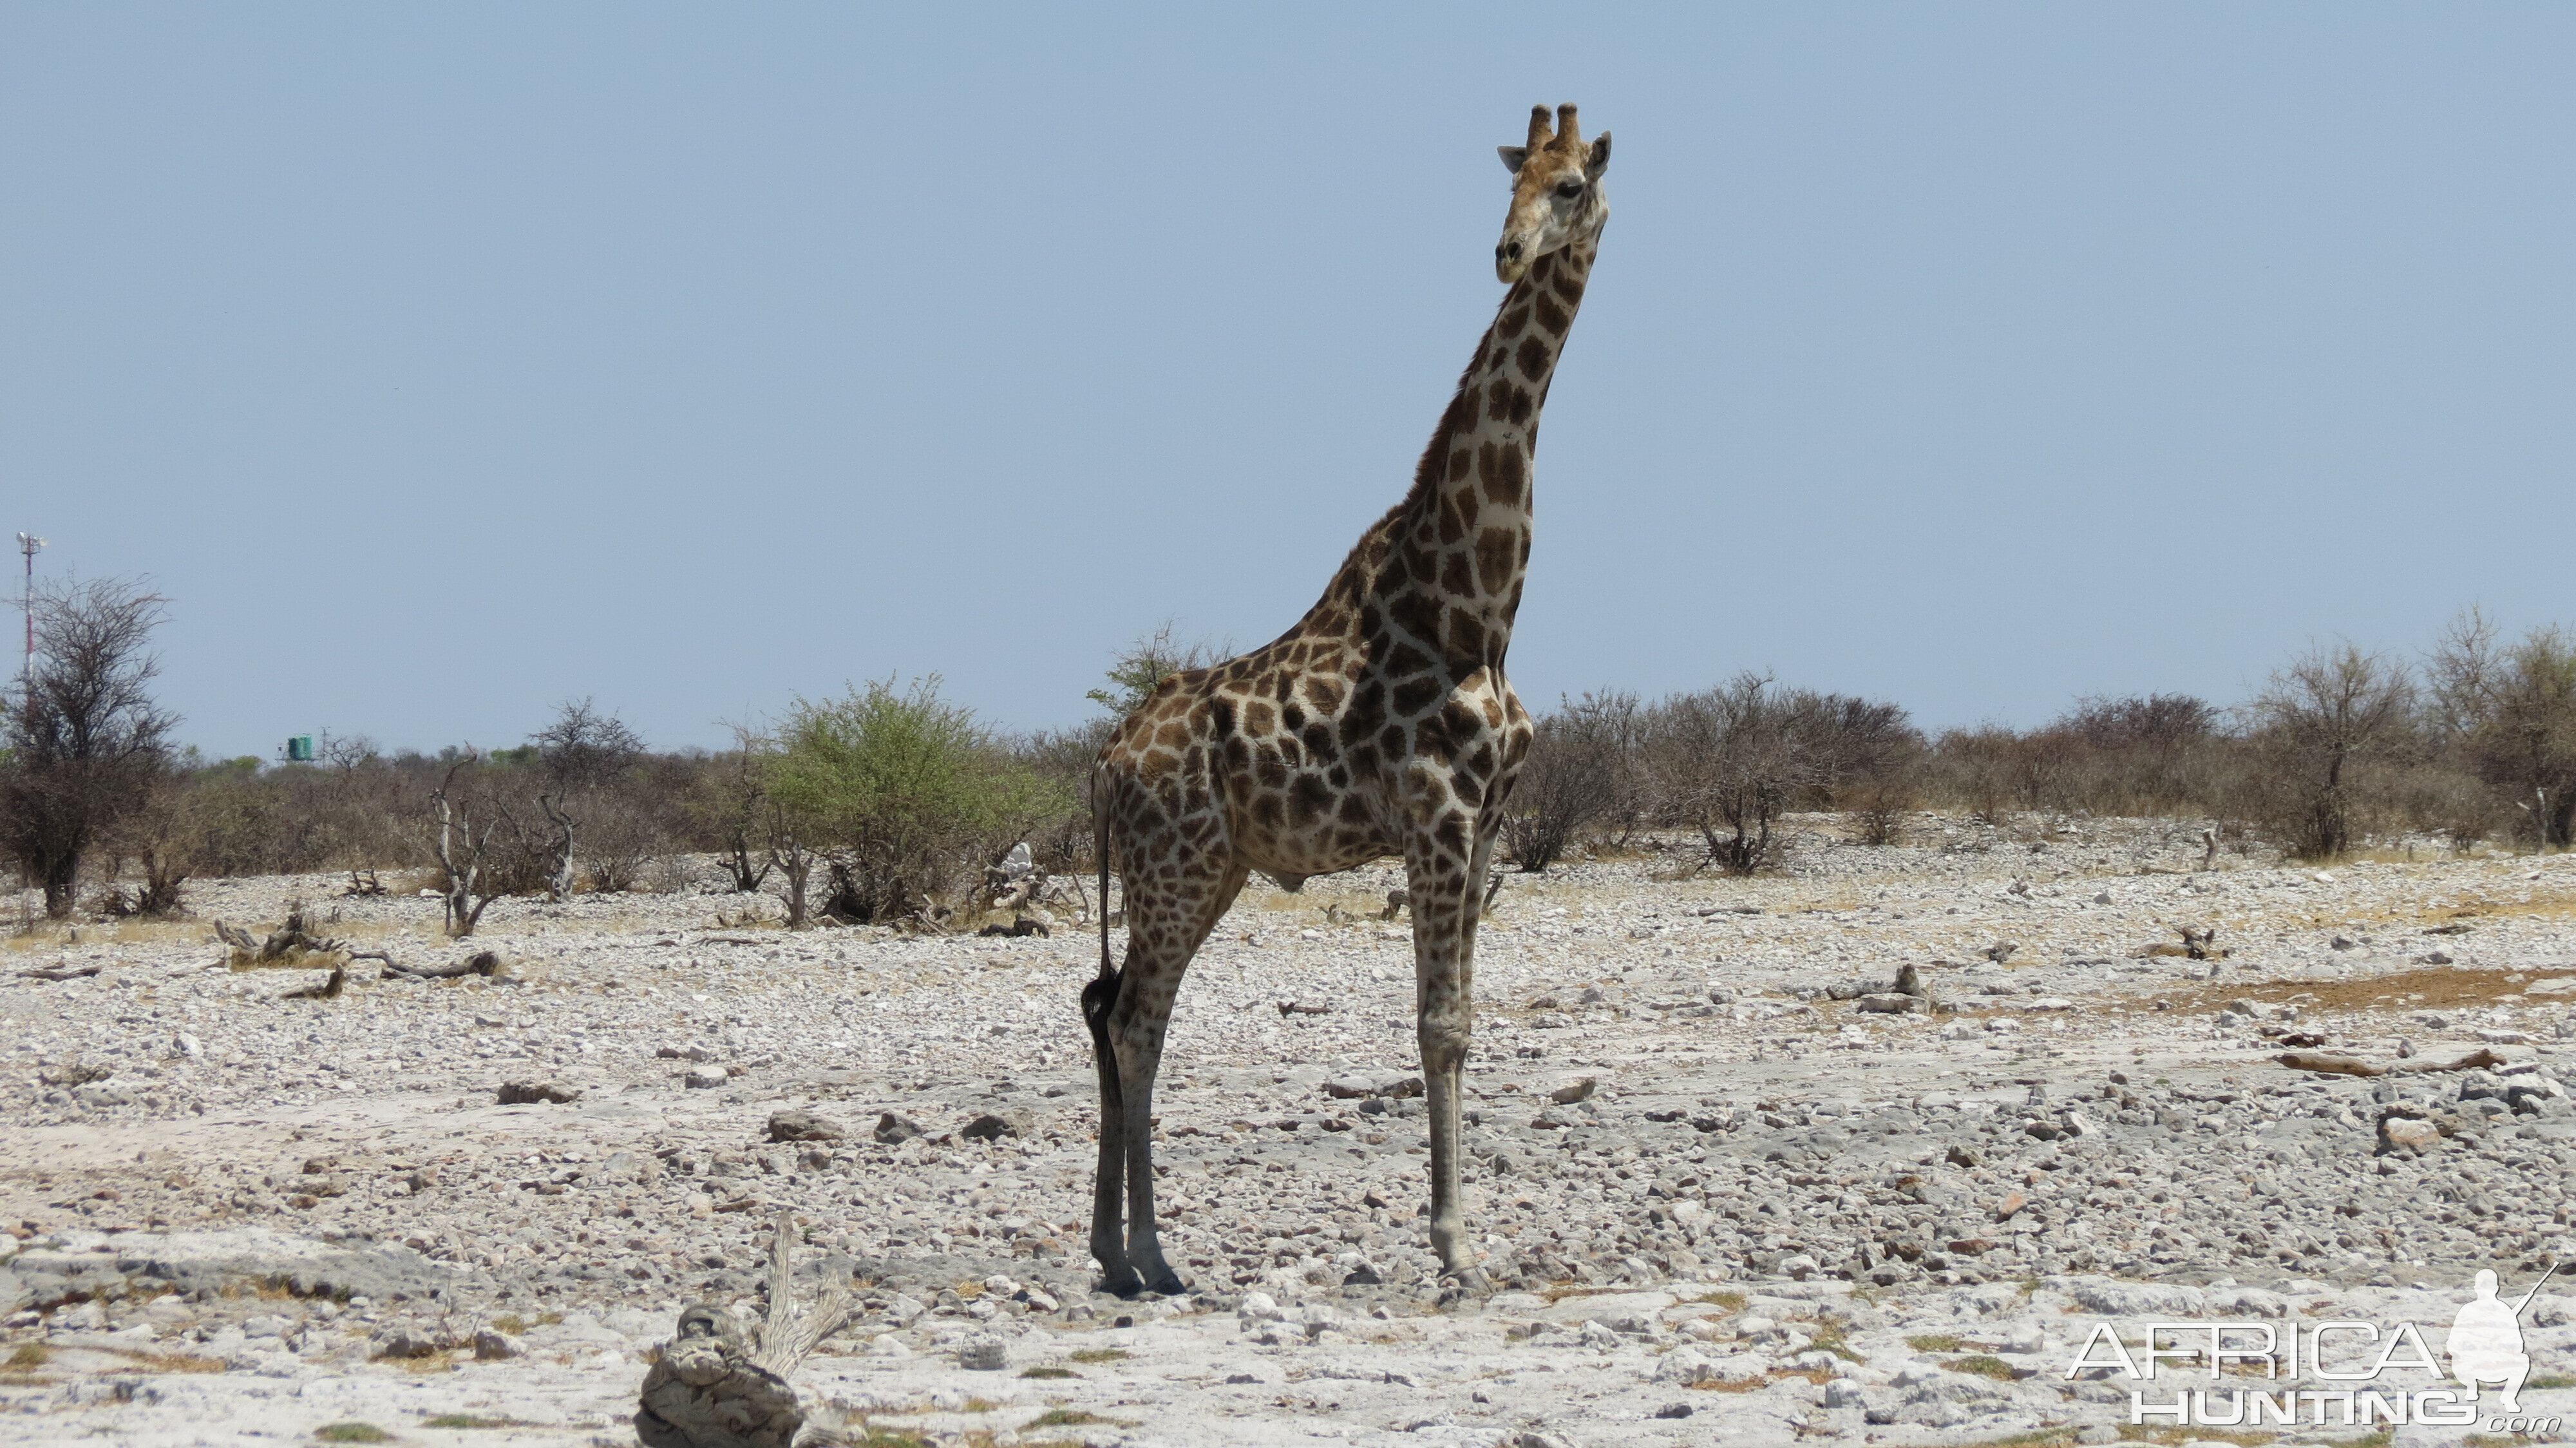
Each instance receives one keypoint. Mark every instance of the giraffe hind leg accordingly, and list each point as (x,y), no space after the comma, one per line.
(1165,929)
(1108,1240)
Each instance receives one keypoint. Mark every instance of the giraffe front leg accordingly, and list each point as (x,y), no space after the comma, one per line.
(1108,1239)
(1443,900)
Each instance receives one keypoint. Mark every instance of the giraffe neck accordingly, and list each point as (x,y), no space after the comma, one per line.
(1459,543)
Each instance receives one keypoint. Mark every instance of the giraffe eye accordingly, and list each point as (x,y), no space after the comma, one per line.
(1570,189)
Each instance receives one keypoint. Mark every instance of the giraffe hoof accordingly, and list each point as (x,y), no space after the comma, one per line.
(1122,1283)
(1169,1285)
(1463,1287)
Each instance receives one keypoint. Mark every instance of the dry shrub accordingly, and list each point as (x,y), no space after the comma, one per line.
(1730,761)
(1580,772)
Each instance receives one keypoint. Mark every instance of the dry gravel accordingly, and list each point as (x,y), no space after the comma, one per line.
(238,1215)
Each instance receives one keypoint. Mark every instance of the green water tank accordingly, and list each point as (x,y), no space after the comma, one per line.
(299,749)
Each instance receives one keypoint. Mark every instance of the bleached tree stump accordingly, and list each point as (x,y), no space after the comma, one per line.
(719,1385)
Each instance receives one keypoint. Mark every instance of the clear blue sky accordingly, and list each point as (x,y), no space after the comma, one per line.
(443,362)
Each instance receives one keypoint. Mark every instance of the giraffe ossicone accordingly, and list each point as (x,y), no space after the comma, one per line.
(1380,724)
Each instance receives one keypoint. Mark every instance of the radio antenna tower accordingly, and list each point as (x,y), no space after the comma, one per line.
(29,543)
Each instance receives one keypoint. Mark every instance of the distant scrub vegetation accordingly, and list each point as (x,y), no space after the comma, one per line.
(890,802)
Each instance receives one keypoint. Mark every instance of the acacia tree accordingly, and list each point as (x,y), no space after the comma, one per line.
(1143,667)
(87,744)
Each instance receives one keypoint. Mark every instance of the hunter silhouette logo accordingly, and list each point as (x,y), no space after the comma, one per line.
(2485,1348)
(2486,1340)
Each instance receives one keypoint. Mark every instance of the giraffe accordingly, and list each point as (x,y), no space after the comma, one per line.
(1380,724)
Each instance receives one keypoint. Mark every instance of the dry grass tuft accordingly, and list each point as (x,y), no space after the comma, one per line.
(2424,988)
(173,1362)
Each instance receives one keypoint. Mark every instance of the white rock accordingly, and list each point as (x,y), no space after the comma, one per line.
(1683,1366)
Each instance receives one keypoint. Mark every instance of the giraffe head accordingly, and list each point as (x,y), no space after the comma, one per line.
(1556,192)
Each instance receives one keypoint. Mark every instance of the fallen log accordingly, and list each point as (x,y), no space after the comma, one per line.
(66,972)
(482,962)
(2331,1062)
(2477,1060)
(2338,1064)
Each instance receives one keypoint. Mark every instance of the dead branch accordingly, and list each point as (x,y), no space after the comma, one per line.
(328,990)
(787,1337)
(286,942)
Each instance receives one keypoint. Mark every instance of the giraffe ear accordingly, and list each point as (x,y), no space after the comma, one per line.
(1513,156)
(1600,160)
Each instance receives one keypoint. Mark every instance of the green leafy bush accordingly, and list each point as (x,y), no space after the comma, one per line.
(905,792)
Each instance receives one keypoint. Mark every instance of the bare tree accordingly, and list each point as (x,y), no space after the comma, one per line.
(585,757)
(2325,731)
(2510,711)
(586,749)
(461,846)
(87,744)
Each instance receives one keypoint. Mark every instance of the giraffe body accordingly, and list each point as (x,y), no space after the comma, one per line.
(1382,723)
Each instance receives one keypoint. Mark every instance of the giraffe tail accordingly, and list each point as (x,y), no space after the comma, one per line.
(1102,991)
(1100,852)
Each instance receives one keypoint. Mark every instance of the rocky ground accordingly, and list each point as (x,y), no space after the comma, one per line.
(1733,1185)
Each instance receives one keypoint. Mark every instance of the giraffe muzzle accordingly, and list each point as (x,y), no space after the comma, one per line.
(1511,259)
